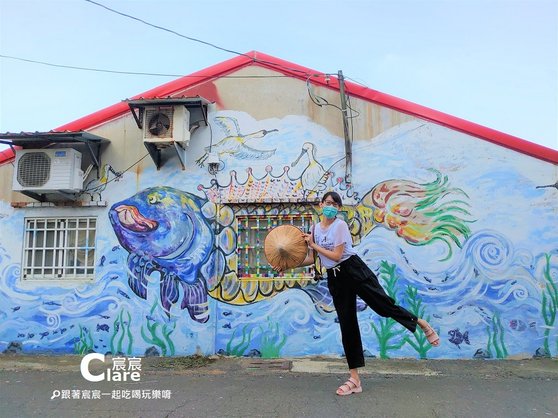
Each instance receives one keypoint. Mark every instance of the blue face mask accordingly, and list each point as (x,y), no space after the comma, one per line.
(330,211)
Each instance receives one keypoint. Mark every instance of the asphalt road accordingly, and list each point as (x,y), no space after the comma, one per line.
(43,386)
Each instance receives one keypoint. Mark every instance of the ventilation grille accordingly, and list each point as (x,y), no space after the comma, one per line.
(159,123)
(33,169)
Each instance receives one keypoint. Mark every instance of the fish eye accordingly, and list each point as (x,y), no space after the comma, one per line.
(152,199)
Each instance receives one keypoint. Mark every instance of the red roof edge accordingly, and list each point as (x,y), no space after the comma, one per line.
(6,155)
(319,78)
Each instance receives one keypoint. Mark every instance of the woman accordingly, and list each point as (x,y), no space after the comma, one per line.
(348,277)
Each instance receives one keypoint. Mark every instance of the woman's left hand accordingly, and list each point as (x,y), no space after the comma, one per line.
(309,239)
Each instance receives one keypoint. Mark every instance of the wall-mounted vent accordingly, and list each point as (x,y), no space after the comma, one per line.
(166,124)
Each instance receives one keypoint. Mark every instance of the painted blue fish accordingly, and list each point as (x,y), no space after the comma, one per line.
(103,327)
(102,261)
(30,335)
(20,335)
(17,308)
(457,338)
(104,316)
(51,303)
(164,231)
(63,330)
(43,334)
(518,325)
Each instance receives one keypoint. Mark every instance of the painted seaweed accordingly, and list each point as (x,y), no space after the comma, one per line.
(549,304)
(272,341)
(496,339)
(121,329)
(164,342)
(239,349)
(418,341)
(385,332)
(85,343)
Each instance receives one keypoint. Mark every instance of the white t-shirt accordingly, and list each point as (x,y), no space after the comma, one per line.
(335,234)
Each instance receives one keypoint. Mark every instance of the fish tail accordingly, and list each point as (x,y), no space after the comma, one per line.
(319,293)
(195,300)
(466,337)
(169,292)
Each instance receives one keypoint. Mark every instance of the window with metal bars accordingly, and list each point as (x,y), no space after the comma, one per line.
(252,230)
(59,248)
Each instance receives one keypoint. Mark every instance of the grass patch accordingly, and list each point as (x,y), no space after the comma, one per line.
(182,363)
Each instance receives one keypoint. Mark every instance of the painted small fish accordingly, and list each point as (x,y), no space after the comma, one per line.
(44,334)
(102,261)
(51,303)
(17,308)
(30,335)
(150,318)
(518,325)
(73,341)
(102,327)
(227,325)
(20,335)
(227,313)
(63,330)
(104,316)
(457,338)
(122,293)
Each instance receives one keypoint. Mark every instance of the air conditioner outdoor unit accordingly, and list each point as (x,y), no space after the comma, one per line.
(48,170)
(166,124)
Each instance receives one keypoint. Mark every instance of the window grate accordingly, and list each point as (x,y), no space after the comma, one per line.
(59,248)
(252,230)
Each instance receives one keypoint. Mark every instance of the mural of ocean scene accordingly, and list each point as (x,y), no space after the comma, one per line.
(452,241)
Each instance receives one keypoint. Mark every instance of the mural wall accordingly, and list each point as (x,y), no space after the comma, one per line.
(458,230)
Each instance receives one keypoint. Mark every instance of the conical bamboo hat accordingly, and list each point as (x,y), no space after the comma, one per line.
(285,247)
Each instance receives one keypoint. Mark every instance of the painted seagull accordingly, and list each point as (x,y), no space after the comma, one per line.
(234,144)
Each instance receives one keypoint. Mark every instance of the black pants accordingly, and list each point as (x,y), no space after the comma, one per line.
(353,278)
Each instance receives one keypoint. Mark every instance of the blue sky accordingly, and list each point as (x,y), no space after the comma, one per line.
(491,62)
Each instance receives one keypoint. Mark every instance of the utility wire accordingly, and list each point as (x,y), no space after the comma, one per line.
(199,40)
(73,67)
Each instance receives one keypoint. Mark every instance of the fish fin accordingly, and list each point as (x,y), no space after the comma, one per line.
(319,293)
(136,276)
(169,292)
(466,337)
(195,300)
